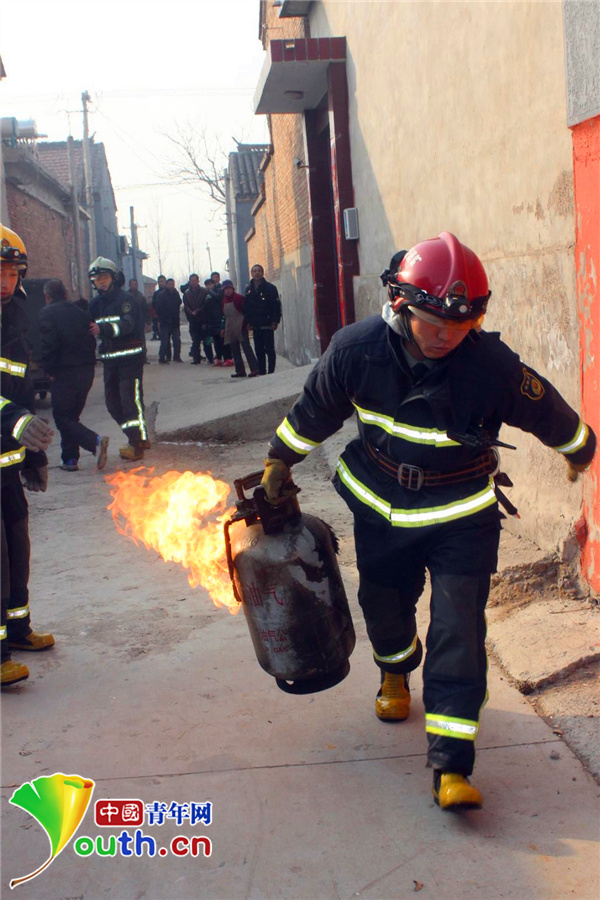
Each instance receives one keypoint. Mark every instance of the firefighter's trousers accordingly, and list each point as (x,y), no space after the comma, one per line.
(460,557)
(124,396)
(15,562)
(70,390)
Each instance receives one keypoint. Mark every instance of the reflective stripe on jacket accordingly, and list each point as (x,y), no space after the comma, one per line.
(482,384)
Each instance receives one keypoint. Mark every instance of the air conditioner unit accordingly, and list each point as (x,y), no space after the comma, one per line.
(351,224)
(123,245)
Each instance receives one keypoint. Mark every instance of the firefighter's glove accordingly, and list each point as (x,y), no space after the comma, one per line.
(573,470)
(37,435)
(275,477)
(35,479)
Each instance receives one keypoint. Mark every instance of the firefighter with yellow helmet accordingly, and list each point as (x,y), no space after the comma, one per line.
(430,390)
(23,462)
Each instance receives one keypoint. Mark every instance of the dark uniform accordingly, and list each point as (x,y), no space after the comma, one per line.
(167,303)
(69,356)
(263,310)
(121,325)
(17,410)
(419,481)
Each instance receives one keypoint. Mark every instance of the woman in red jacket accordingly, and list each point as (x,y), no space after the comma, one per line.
(235,332)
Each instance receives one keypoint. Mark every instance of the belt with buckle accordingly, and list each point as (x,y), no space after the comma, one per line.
(414,478)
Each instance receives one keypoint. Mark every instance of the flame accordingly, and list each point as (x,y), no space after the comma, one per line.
(180,515)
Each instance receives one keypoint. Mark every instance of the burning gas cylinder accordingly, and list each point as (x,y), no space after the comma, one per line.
(285,574)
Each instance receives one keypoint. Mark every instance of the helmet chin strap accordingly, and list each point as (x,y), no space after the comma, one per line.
(399,322)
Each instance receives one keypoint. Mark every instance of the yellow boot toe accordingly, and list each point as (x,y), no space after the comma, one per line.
(392,703)
(454,792)
(13,672)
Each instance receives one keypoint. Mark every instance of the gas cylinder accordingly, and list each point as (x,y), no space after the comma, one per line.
(285,574)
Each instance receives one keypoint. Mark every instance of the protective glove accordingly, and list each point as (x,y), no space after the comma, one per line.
(573,470)
(275,476)
(35,479)
(37,435)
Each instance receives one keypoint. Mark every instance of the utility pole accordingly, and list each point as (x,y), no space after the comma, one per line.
(82,281)
(87,171)
(133,244)
(209,259)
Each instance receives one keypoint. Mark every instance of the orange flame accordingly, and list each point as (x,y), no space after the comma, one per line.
(170,514)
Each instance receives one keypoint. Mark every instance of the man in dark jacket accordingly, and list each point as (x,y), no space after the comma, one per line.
(25,437)
(161,282)
(430,390)
(193,303)
(263,315)
(69,357)
(167,304)
(118,321)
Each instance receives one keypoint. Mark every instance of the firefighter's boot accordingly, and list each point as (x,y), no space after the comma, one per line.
(455,792)
(132,452)
(32,641)
(392,703)
(13,672)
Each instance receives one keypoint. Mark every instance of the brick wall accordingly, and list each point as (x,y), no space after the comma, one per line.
(47,235)
(282,222)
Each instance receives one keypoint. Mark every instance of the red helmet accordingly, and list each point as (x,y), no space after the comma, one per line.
(440,276)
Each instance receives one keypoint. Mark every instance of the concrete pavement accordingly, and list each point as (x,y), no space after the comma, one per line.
(155,694)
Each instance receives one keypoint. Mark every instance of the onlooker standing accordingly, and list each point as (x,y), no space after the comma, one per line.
(162,283)
(213,315)
(69,357)
(217,289)
(235,332)
(193,304)
(143,302)
(167,304)
(263,315)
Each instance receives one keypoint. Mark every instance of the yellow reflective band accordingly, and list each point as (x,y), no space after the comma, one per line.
(121,353)
(294,441)
(19,612)
(417,518)
(116,329)
(21,425)
(579,441)
(108,319)
(398,657)
(2,632)
(140,409)
(3,402)
(448,726)
(12,458)
(412,433)
(133,423)
(13,368)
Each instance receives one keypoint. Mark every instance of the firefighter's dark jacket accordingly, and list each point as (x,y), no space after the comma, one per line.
(263,306)
(18,399)
(65,338)
(472,391)
(121,322)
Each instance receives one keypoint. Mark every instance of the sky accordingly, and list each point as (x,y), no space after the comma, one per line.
(152,69)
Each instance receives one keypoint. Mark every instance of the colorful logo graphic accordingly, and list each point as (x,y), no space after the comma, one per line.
(59,803)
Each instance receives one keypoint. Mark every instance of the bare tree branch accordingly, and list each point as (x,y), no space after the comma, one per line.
(198,162)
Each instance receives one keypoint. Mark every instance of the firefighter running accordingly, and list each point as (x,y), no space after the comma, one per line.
(119,322)
(431,391)
(25,437)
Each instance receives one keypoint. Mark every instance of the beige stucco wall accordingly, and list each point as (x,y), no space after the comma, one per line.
(457,122)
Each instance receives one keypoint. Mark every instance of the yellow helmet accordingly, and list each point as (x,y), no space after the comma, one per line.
(12,250)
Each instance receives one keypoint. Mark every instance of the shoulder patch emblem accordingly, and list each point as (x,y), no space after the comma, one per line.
(126,308)
(531,386)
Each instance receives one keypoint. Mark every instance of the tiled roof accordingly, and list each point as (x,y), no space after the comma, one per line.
(244,171)
(54,156)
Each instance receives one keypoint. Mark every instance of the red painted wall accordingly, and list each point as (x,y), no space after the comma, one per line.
(586,168)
